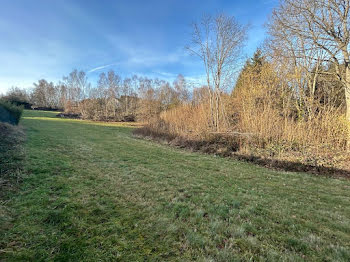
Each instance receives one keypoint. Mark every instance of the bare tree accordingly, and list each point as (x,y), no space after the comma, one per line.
(77,85)
(44,94)
(17,95)
(181,89)
(319,31)
(217,41)
(126,89)
(114,84)
(102,93)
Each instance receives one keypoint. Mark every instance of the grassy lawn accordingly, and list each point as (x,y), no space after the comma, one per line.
(92,192)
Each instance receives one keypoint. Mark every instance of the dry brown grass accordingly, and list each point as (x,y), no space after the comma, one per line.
(267,120)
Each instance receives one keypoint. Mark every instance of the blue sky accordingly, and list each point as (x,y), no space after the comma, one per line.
(49,38)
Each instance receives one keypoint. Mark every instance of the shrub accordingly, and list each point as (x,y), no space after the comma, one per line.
(10,113)
(265,117)
(12,154)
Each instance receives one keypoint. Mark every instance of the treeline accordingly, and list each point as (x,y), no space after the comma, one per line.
(291,100)
(111,99)
(269,108)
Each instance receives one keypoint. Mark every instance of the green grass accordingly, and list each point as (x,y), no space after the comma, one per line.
(92,192)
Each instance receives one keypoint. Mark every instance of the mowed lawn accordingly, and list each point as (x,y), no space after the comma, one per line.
(93,192)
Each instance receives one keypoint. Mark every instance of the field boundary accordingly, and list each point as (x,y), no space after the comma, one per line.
(223,150)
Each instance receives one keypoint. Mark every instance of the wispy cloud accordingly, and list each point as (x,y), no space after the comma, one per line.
(165,74)
(145,55)
(101,67)
(90,36)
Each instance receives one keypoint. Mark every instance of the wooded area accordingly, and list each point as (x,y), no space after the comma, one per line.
(292,95)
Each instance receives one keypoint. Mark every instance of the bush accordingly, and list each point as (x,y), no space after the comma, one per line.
(264,118)
(18,102)
(12,154)
(10,113)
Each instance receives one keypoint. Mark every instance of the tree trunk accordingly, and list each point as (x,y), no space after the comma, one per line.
(347,86)
(347,101)
(212,119)
(217,112)
(126,104)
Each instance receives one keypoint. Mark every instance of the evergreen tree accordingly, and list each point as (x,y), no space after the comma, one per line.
(253,64)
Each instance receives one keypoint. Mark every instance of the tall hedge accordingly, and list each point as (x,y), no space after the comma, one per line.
(10,113)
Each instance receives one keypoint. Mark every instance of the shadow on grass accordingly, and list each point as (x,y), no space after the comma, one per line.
(295,166)
(223,148)
(37,113)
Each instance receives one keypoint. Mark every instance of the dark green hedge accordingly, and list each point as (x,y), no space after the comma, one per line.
(10,113)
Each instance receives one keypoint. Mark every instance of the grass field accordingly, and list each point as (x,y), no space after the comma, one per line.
(93,192)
